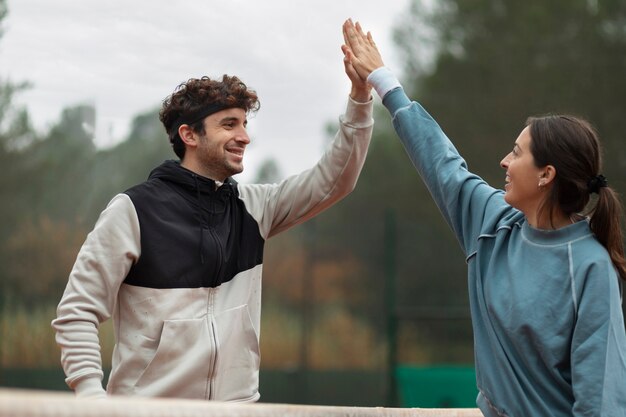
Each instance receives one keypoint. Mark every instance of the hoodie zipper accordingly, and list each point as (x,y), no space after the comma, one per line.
(205,221)
(220,258)
(211,376)
(213,359)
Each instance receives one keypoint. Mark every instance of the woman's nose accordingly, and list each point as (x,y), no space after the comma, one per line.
(505,161)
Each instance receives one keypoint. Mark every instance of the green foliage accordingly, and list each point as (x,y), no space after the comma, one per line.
(129,163)
(269,172)
(498,62)
(39,255)
(58,186)
(3,14)
(27,339)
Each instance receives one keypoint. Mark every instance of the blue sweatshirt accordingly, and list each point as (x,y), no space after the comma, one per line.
(549,335)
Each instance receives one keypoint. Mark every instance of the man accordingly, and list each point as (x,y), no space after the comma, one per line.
(176,261)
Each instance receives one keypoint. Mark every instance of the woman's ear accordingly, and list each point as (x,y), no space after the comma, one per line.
(548,175)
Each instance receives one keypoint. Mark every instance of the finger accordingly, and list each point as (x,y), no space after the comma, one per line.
(348,66)
(353,74)
(344,49)
(359,29)
(370,39)
(351,35)
(347,53)
(349,69)
(344,30)
(363,39)
(356,67)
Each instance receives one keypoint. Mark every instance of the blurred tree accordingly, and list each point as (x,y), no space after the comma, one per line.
(126,164)
(55,166)
(41,254)
(355,228)
(269,172)
(16,133)
(61,184)
(499,61)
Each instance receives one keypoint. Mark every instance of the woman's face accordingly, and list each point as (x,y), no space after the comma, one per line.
(524,184)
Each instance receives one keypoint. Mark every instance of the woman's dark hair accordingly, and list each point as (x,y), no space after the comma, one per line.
(192,97)
(571,145)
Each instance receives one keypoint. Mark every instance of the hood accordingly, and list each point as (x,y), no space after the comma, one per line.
(172,171)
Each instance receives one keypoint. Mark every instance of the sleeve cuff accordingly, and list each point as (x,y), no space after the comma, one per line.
(383,81)
(359,114)
(90,388)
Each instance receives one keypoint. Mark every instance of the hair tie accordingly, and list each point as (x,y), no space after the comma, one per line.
(596,183)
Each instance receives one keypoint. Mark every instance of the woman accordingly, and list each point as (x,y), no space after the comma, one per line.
(544,279)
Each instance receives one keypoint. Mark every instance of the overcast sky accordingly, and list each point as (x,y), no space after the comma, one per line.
(124,57)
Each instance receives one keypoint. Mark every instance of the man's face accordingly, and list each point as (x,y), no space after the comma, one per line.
(221,148)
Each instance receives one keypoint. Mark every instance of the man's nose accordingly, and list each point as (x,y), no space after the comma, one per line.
(243,137)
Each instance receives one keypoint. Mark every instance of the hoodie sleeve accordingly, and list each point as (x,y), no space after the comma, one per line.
(91,293)
(277,207)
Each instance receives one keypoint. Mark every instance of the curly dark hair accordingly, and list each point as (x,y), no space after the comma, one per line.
(191,98)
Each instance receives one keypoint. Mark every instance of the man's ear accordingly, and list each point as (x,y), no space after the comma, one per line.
(187,135)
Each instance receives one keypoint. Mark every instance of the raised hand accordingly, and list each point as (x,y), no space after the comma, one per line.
(360,49)
(361,90)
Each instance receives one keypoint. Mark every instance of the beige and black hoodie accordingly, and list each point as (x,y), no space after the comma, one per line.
(176,262)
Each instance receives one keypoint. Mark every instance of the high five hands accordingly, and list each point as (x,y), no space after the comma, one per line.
(360,50)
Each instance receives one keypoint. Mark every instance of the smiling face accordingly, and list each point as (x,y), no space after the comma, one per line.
(525,183)
(218,152)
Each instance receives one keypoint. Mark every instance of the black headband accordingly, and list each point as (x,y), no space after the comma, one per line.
(194,117)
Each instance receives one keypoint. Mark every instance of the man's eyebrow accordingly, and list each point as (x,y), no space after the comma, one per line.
(228,119)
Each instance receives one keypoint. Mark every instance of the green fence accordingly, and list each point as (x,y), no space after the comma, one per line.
(437,386)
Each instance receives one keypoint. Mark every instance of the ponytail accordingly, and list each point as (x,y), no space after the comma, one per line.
(572,146)
(605,223)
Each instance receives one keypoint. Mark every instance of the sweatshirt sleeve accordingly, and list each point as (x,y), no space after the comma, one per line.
(277,207)
(467,203)
(91,293)
(598,348)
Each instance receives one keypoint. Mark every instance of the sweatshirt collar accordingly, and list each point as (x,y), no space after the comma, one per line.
(561,236)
